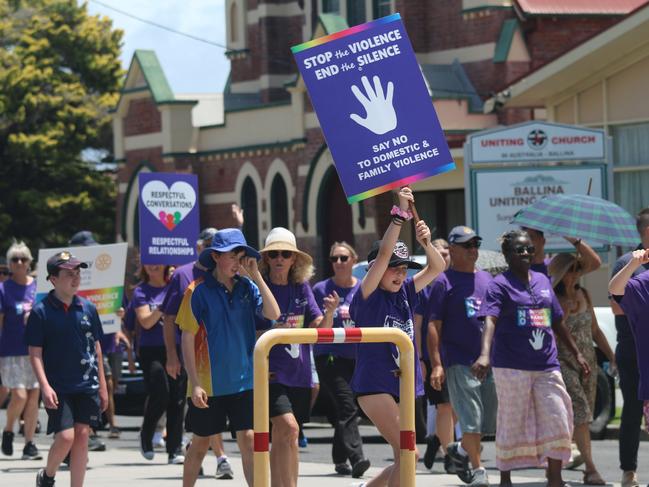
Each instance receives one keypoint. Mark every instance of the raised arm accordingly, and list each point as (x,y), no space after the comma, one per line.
(434,261)
(378,267)
(270,308)
(147,317)
(590,260)
(617,285)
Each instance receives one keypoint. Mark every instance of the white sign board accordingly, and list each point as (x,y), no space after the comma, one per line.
(102,282)
(537,141)
(500,193)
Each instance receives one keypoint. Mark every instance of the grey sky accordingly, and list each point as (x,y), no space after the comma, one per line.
(190,66)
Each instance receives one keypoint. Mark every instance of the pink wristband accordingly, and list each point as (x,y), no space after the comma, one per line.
(396,211)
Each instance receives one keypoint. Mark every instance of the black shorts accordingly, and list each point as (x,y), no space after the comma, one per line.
(235,408)
(285,399)
(79,408)
(434,397)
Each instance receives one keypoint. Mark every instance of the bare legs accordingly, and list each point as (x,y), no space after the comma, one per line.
(283,452)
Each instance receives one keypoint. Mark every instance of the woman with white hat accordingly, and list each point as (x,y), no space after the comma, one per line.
(287,271)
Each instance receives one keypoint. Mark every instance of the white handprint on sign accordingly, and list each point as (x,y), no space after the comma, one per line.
(380,116)
(537,343)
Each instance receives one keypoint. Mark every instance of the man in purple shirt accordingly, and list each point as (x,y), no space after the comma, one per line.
(631,292)
(452,310)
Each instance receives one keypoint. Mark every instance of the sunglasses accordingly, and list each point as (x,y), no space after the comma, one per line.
(471,244)
(286,254)
(521,249)
(335,258)
(15,260)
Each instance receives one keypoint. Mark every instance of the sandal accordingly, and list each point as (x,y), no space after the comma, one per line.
(593,478)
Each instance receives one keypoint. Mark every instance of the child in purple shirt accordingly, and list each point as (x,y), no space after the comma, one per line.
(387,298)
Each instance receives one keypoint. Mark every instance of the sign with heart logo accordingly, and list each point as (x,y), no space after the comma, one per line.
(168,218)
(170,205)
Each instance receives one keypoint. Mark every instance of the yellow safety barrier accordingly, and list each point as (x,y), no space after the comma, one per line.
(335,335)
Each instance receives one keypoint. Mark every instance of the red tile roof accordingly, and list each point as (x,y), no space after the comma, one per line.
(577,7)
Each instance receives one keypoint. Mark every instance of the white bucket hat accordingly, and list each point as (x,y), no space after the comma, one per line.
(281,238)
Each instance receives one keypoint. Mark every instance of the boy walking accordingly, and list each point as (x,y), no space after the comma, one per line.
(221,310)
(63,334)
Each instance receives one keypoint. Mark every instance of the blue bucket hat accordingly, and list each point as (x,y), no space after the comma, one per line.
(224,241)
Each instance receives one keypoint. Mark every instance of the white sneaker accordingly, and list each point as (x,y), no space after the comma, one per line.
(158,440)
(224,469)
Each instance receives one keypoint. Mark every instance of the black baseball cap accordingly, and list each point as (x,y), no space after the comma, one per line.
(63,260)
(400,255)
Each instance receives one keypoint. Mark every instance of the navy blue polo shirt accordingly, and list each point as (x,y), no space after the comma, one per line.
(67,335)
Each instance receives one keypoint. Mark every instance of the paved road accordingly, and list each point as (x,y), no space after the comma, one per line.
(122,463)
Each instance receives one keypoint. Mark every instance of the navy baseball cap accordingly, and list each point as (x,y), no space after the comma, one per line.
(63,260)
(462,234)
(224,241)
(84,238)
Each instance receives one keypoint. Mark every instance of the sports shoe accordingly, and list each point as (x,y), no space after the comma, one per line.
(630,479)
(224,469)
(432,446)
(343,469)
(360,467)
(462,467)
(146,448)
(43,480)
(176,459)
(302,440)
(95,444)
(158,441)
(480,478)
(449,465)
(30,452)
(114,433)
(8,443)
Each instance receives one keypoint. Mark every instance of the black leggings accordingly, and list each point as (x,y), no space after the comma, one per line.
(164,394)
(335,375)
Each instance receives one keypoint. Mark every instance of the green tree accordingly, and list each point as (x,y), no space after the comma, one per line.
(59,77)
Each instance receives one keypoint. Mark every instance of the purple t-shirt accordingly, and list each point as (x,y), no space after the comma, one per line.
(108,344)
(146,295)
(523,339)
(424,296)
(635,303)
(542,267)
(341,316)
(180,280)
(376,363)
(455,300)
(16,300)
(290,365)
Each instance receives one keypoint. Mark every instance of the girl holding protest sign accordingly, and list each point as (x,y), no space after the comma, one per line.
(387,297)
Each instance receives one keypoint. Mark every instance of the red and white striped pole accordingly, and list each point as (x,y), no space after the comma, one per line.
(335,335)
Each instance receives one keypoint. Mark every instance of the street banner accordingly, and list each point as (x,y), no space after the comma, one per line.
(374,107)
(169,222)
(102,282)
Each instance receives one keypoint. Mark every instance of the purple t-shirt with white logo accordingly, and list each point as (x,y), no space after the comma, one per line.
(290,365)
(181,279)
(16,301)
(635,303)
(524,338)
(341,316)
(376,363)
(146,295)
(455,300)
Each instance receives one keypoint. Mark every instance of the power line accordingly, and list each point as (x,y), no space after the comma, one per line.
(160,26)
